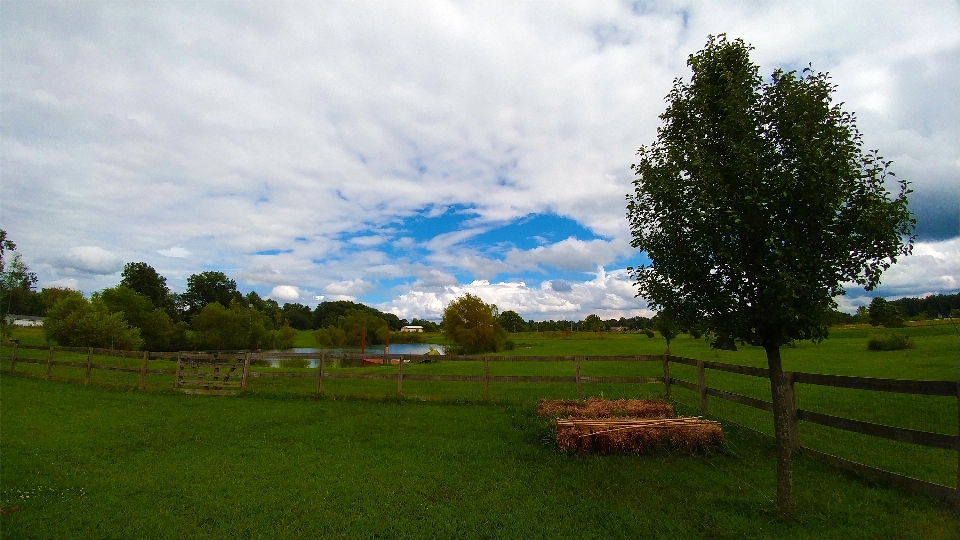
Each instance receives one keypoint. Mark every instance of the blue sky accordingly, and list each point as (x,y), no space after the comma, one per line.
(405,154)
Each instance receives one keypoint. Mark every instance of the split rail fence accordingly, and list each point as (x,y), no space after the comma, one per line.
(218,373)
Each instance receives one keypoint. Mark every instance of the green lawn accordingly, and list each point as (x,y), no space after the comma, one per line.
(96,462)
(934,357)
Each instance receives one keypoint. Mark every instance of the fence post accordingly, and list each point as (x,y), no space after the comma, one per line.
(86,379)
(143,370)
(400,379)
(323,357)
(666,374)
(486,378)
(792,414)
(577,360)
(176,375)
(702,383)
(246,371)
(49,363)
(13,359)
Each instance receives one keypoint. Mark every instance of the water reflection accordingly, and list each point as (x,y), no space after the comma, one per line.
(372,352)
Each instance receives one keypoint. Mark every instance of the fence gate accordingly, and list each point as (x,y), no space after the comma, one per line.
(211,374)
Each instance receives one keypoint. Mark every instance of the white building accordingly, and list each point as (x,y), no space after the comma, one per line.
(412,329)
(24,320)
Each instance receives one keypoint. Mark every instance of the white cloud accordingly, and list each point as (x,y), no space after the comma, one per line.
(347,290)
(324,128)
(89,260)
(176,252)
(66,283)
(609,294)
(285,293)
(934,267)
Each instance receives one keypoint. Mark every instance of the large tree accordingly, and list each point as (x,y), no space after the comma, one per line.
(16,282)
(143,279)
(206,288)
(472,325)
(755,203)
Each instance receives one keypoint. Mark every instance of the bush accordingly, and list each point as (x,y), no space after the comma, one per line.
(261,362)
(509,345)
(408,337)
(889,341)
(648,332)
(294,363)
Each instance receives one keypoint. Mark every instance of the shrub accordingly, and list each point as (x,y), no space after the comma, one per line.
(261,362)
(509,345)
(648,332)
(889,341)
(294,363)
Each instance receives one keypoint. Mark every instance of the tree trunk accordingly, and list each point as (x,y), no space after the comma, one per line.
(780,392)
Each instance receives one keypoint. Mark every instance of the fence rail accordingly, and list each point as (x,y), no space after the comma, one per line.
(912,436)
(226,382)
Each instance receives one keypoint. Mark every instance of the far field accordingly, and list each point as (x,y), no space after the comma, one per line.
(109,461)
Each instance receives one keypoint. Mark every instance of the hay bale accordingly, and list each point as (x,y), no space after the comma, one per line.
(637,435)
(604,408)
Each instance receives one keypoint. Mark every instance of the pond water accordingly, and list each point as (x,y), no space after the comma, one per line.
(373,352)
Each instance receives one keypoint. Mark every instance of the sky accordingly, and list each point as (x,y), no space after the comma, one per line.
(401,154)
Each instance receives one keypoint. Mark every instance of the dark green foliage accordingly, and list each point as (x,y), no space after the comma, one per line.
(408,337)
(143,279)
(472,325)
(239,327)
(329,314)
(363,324)
(75,321)
(155,326)
(755,204)
(883,313)
(509,345)
(665,323)
(16,283)
(428,326)
(330,336)
(511,321)
(889,341)
(206,288)
(593,323)
(934,306)
(299,315)
(756,201)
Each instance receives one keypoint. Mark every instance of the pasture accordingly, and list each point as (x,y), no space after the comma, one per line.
(279,461)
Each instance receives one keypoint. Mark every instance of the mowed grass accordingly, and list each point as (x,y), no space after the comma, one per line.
(933,357)
(95,462)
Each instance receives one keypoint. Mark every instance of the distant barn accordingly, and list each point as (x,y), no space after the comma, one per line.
(412,329)
(24,320)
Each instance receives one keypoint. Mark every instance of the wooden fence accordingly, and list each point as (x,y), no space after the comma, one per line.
(222,382)
(796,415)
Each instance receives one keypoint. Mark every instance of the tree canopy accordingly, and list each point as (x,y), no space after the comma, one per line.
(206,288)
(141,278)
(472,325)
(755,203)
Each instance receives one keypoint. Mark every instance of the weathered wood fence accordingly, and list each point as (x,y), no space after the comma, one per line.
(201,373)
(796,415)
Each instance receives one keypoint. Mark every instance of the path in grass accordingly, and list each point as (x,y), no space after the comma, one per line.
(96,463)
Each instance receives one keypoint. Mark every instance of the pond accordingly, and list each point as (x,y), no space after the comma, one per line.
(373,352)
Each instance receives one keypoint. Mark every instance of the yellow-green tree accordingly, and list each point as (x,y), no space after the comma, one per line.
(472,326)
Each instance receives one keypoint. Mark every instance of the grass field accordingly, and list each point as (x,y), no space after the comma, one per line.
(94,462)
(934,357)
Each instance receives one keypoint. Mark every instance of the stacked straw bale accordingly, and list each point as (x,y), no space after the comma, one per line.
(627,426)
(637,435)
(604,408)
